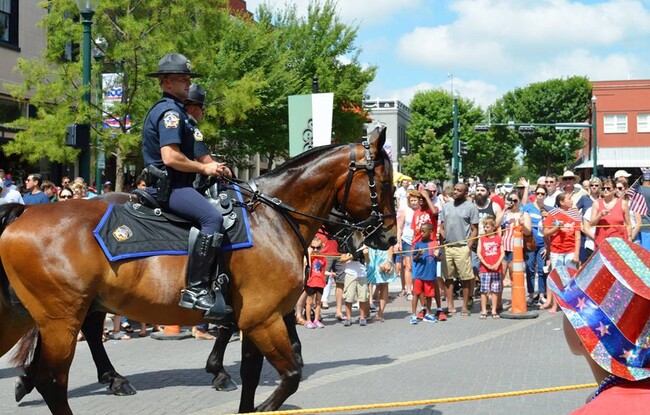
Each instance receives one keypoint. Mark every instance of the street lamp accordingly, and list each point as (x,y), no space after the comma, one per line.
(594,132)
(99,54)
(87,9)
(455,160)
(566,155)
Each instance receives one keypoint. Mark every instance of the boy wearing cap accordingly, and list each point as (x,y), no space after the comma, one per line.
(606,306)
(170,146)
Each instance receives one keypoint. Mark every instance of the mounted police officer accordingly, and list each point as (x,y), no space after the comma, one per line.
(177,153)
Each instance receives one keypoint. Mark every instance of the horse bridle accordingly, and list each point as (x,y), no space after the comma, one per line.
(366,227)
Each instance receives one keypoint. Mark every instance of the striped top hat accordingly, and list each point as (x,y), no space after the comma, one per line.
(608,305)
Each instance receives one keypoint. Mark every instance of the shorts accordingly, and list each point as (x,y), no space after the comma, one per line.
(508,257)
(313,290)
(406,251)
(459,263)
(490,282)
(428,287)
(562,260)
(355,288)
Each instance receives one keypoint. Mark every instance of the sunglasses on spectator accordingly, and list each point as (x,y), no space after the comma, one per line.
(513,200)
(620,188)
(65,197)
(540,193)
(607,188)
(594,185)
(315,247)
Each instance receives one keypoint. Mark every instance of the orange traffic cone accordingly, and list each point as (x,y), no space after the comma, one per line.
(171,332)
(518,309)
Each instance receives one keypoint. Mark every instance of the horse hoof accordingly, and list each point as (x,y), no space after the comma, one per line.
(122,389)
(224,385)
(20,389)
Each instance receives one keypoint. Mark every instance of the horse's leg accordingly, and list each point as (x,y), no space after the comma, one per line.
(290,323)
(272,341)
(93,328)
(250,371)
(222,380)
(52,368)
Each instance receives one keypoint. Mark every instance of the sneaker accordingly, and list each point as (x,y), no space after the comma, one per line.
(310,325)
(442,316)
(320,325)
(362,322)
(414,319)
(355,306)
(373,308)
(346,323)
(421,314)
(430,318)
(409,297)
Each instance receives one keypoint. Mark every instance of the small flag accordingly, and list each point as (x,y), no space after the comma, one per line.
(573,213)
(637,200)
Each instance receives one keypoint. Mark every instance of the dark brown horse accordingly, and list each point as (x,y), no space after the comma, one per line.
(59,273)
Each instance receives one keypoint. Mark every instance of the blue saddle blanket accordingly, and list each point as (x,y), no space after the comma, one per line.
(134,231)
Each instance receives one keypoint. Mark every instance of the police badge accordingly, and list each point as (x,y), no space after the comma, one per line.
(198,136)
(171,119)
(122,233)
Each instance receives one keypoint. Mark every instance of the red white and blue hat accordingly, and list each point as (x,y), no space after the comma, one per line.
(608,305)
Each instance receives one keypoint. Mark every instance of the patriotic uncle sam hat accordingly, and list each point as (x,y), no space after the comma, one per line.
(608,305)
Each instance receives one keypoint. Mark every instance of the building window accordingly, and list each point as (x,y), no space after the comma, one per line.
(9,23)
(615,123)
(643,123)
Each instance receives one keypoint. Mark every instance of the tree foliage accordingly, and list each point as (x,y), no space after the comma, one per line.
(552,101)
(432,111)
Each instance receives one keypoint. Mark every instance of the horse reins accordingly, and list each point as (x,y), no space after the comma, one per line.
(367,227)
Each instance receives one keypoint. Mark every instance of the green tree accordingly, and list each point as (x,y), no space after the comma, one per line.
(432,110)
(428,162)
(552,101)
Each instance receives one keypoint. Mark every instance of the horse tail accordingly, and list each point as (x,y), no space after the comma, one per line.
(25,349)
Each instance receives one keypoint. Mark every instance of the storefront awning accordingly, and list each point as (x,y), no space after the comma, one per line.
(619,157)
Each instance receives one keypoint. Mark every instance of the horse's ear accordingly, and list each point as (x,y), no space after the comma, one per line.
(377,138)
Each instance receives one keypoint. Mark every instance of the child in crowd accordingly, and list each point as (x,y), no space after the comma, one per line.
(380,271)
(315,284)
(491,253)
(424,274)
(356,285)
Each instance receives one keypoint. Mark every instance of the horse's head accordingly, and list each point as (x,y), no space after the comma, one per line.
(365,192)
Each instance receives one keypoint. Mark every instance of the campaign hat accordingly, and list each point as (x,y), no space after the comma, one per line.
(174,63)
(608,304)
(196,94)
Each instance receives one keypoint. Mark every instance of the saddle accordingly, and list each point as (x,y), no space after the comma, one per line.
(142,228)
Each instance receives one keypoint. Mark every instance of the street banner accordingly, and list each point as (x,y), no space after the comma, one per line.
(112,94)
(310,121)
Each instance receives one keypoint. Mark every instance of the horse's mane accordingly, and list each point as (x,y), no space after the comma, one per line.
(300,159)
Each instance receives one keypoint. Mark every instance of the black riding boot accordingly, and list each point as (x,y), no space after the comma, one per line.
(199,294)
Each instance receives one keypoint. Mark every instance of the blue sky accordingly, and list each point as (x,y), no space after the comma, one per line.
(490,47)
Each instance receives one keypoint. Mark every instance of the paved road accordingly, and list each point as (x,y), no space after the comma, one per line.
(381,363)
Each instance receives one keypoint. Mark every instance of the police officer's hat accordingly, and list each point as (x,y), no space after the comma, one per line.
(173,63)
(196,94)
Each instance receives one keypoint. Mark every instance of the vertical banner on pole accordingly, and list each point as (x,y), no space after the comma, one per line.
(310,121)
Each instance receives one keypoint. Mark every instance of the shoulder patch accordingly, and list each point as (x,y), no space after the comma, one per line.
(198,136)
(171,119)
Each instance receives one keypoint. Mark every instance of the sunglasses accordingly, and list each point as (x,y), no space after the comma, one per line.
(620,188)
(607,188)
(594,185)
(315,247)
(513,200)
(65,197)
(568,178)
(540,193)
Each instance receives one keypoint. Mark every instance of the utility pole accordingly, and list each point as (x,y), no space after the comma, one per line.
(455,160)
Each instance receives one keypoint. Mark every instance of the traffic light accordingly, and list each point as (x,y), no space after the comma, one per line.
(462,150)
(482,128)
(526,129)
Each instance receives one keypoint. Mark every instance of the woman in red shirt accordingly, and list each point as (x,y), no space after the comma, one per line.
(610,215)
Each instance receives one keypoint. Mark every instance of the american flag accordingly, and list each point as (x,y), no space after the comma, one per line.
(573,213)
(637,201)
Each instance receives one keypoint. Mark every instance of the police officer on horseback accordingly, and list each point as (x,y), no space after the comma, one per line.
(172,148)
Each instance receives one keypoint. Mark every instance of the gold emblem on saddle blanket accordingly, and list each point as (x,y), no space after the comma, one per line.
(122,233)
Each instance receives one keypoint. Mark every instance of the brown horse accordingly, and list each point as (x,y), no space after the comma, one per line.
(60,274)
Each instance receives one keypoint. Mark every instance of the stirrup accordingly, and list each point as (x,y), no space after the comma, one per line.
(219,310)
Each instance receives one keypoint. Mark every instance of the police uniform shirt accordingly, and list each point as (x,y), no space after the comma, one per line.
(165,124)
(200,148)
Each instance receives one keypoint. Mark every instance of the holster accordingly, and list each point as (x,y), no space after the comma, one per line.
(160,180)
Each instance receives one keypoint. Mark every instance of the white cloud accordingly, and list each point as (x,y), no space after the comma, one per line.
(482,93)
(350,11)
(504,36)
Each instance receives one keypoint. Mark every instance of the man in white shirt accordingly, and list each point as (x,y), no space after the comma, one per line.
(400,195)
(8,195)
